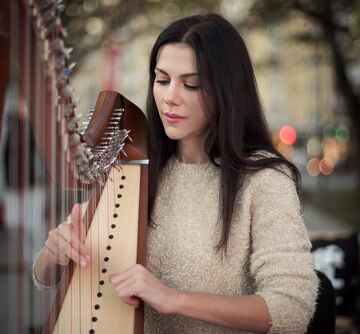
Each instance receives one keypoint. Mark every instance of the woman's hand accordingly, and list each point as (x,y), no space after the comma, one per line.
(138,283)
(64,242)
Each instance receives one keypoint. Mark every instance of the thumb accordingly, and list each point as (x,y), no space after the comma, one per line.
(76,216)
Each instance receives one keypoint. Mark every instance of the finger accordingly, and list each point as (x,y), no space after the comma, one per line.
(127,293)
(68,235)
(60,242)
(132,301)
(51,252)
(63,248)
(76,217)
(127,274)
(77,224)
(75,255)
(119,278)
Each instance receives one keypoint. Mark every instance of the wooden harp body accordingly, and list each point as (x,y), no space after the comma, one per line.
(114,227)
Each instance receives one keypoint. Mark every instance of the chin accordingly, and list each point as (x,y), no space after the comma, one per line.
(174,135)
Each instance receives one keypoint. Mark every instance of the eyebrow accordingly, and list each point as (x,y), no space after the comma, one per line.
(186,75)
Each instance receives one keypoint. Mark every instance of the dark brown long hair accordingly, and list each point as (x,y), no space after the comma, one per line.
(237,126)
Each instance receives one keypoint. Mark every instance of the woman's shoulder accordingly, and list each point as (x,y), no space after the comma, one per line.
(274,178)
(262,155)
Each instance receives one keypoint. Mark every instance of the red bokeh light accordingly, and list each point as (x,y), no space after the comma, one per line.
(287,135)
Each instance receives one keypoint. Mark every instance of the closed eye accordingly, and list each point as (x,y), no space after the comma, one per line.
(191,87)
(162,82)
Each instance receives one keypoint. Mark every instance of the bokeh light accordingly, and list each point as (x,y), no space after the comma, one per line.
(94,26)
(331,149)
(326,166)
(328,131)
(287,135)
(312,167)
(313,146)
(342,133)
(90,5)
(73,10)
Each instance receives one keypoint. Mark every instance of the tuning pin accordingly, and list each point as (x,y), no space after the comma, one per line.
(71,126)
(43,33)
(60,5)
(68,94)
(34,11)
(117,165)
(74,139)
(59,47)
(67,70)
(49,16)
(59,28)
(123,152)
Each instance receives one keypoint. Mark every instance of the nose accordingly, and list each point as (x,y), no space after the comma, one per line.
(172,94)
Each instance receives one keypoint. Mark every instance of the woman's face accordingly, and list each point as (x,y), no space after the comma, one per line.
(178,94)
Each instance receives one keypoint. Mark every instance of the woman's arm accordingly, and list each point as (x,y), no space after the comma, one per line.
(247,313)
(46,273)
(281,263)
(242,312)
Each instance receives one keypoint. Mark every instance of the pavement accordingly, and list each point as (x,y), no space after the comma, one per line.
(316,220)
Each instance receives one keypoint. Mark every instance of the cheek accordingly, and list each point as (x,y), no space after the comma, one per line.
(199,114)
(156,94)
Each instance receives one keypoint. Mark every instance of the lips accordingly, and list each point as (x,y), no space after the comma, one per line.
(173,118)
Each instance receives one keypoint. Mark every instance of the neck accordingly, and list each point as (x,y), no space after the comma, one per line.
(191,152)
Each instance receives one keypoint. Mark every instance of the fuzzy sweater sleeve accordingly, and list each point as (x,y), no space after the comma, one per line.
(281,262)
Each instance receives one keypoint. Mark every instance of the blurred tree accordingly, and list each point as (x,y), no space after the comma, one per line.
(94,23)
(339,30)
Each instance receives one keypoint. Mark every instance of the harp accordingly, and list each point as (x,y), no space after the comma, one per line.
(38,132)
(114,226)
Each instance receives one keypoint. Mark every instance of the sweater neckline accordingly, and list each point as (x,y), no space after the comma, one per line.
(176,160)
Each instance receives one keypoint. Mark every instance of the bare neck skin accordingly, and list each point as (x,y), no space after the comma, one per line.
(192,151)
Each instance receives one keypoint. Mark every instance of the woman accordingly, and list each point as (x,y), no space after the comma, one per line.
(227,251)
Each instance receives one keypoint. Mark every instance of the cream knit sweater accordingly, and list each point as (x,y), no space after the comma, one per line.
(268,249)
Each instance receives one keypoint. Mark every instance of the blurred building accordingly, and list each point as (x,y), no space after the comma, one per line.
(295,78)
(296,84)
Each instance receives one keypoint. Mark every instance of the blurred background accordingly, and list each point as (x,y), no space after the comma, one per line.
(306,56)
(306,59)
